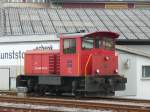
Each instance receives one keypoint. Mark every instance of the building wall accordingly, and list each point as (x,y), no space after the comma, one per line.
(83,5)
(14,70)
(130,65)
(143,84)
(12,54)
(29,1)
(127,68)
(5,74)
(11,57)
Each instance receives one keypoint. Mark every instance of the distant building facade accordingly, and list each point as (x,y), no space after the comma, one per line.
(28,1)
(108,4)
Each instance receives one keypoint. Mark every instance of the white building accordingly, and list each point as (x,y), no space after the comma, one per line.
(12,53)
(28,28)
(135,65)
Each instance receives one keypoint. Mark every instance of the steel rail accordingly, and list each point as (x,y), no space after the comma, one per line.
(13,109)
(118,99)
(117,107)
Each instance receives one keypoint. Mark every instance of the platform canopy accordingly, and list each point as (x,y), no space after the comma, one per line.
(131,24)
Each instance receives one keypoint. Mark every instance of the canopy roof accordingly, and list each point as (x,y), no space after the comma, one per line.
(133,25)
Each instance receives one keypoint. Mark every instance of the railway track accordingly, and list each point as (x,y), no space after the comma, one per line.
(110,104)
(11,93)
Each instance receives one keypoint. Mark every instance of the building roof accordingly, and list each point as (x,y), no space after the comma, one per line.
(132,51)
(133,25)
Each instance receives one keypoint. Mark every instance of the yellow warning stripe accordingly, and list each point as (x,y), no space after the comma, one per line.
(78,64)
(87,64)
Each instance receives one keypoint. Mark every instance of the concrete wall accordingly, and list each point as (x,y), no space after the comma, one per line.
(12,54)
(30,1)
(4,81)
(25,5)
(130,65)
(14,71)
(127,67)
(143,84)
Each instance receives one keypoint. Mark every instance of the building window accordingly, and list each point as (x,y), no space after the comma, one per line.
(146,71)
(69,46)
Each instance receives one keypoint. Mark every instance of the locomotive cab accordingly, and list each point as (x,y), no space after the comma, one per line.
(90,61)
(98,54)
(91,54)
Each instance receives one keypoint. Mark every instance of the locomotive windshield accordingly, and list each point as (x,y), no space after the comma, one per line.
(69,46)
(98,42)
(90,42)
(87,43)
(108,43)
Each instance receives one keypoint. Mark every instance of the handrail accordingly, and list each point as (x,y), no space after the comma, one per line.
(87,64)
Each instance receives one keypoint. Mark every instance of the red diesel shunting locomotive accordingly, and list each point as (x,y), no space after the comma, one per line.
(86,64)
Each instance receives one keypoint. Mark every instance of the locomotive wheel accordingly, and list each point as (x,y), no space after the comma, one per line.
(79,94)
(59,93)
(41,91)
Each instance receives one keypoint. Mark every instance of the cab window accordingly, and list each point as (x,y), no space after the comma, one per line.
(69,46)
(98,42)
(87,43)
(108,43)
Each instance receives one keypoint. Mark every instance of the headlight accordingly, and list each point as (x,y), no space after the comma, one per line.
(97,71)
(106,58)
(116,71)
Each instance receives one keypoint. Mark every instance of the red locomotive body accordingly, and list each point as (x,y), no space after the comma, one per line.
(41,62)
(86,64)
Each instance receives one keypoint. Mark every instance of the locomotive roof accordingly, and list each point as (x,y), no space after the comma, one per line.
(104,33)
(93,34)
